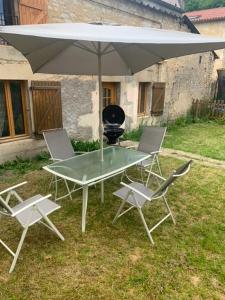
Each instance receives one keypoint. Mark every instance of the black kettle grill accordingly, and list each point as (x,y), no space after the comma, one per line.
(113,117)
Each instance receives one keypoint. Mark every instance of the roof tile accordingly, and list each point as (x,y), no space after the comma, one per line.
(206,15)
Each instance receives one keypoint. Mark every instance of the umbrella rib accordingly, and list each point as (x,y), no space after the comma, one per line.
(106,48)
(96,49)
(37,49)
(78,45)
(121,56)
(110,51)
(151,52)
(53,57)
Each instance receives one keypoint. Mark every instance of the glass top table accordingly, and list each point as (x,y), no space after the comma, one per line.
(87,168)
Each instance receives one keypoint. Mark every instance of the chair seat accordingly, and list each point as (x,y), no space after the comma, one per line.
(140,201)
(31,215)
(145,163)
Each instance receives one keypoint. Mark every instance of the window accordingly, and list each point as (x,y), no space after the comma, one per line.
(143,96)
(111,93)
(158,98)
(2,19)
(7,13)
(13,121)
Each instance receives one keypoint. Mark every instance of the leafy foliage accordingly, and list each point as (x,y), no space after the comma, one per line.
(133,135)
(22,166)
(85,146)
(191,5)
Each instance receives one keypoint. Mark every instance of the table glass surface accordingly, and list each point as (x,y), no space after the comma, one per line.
(87,168)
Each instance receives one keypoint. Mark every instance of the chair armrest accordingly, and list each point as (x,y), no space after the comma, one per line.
(156,152)
(135,190)
(12,188)
(30,205)
(55,159)
(184,173)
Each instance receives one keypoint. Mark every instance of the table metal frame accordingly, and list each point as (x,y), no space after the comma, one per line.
(86,184)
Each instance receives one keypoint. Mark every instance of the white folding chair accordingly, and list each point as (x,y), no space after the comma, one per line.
(151,142)
(28,212)
(60,148)
(137,195)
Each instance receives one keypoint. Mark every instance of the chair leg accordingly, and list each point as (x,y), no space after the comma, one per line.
(51,182)
(143,175)
(68,189)
(56,188)
(146,226)
(169,210)
(47,220)
(149,174)
(119,211)
(122,176)
(18,249)
(158,164)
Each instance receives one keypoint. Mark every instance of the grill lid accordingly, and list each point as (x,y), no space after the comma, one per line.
(113,115)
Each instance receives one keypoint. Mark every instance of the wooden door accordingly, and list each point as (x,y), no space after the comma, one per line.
(33,11)
(109,93)
(47,106)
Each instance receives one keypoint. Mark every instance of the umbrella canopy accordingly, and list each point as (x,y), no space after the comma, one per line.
(91,49)
(125,50)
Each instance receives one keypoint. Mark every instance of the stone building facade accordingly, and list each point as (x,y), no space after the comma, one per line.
(184,79)
(211,22)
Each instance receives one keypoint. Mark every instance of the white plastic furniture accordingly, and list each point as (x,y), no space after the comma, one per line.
(27,212)
(87,170)
(151,142)
(60,148)
(137,195)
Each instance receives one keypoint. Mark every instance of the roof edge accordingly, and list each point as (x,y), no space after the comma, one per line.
(162,6)
(168,5)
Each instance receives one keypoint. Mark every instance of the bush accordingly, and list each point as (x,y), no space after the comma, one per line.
(134,135)
(85,146)
(21,166)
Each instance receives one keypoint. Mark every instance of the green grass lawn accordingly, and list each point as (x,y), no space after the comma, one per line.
(206,139)
(118,261)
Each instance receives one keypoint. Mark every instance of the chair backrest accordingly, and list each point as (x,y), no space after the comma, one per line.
(4,207)
(151,139)
(58,144)
(181,171)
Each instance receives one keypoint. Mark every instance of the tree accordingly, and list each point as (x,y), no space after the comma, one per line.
(191,5)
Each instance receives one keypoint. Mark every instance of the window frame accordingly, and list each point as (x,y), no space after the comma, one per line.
(9,110)
(115,88)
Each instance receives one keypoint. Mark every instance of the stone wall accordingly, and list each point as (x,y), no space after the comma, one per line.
(215,29)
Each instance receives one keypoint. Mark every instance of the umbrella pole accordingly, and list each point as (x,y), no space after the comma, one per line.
(100,99)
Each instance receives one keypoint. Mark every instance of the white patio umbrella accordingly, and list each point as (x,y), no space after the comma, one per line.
(91,49)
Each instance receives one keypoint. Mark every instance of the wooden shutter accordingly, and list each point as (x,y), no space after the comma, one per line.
(47,106)
(33,11)
(158,98)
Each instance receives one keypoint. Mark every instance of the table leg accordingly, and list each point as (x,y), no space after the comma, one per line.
(102,192)
(84,208)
